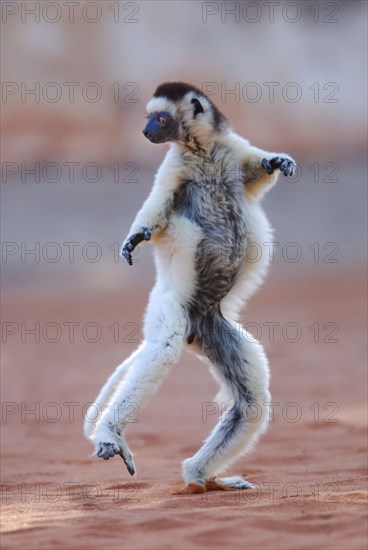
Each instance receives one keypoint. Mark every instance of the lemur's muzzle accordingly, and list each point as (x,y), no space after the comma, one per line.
(161,127)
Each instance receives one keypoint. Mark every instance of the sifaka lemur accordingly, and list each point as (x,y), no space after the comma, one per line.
(202,213)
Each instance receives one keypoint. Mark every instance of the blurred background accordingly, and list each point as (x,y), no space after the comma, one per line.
(75,84)
(76,76)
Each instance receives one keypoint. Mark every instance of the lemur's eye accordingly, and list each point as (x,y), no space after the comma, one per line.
(162,120)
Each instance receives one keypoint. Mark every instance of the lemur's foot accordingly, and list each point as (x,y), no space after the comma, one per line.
(286,165)
(108,450)
(194,487)
(216,484)
(109,443)
(234,482)
(228,484)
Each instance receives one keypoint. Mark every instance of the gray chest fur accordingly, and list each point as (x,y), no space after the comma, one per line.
(212,196)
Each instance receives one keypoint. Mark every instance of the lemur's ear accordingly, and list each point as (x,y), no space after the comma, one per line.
(197,107)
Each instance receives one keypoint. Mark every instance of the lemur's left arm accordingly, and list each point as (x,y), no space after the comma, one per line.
(259,167)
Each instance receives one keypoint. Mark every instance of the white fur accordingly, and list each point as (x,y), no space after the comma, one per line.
(158,104)
(202,126)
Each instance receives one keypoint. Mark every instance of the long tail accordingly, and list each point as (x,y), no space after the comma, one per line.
(224,346)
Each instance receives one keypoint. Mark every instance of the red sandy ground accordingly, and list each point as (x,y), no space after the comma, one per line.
(310,473)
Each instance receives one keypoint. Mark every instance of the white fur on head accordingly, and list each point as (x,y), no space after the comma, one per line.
(202,126)
(158,104)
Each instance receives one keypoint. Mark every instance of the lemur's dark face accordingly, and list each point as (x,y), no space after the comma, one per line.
(181,113)
(161,127)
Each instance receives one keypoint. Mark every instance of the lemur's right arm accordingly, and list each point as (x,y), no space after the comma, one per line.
(151,219)
(154,214)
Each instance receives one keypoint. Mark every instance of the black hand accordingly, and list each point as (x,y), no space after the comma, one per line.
(286,165)
(132,242)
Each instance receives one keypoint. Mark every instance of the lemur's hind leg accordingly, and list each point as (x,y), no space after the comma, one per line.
(96,408)
(242,365)
(162,350)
